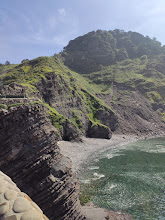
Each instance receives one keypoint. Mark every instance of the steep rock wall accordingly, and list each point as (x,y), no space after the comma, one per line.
(74,105)
(30,156)
(78,105)
(135,113)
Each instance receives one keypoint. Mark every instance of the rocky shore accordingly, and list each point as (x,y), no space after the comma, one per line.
(82,152)
(45,168)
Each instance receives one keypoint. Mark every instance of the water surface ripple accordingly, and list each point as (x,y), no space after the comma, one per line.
(131,178)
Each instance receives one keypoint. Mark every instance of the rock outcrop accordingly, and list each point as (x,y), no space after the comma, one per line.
(72,106)
(76,104)
(97,131)
(135,114)
(30,156)
(16,205)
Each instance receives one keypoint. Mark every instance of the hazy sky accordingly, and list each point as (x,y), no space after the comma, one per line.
(32,28)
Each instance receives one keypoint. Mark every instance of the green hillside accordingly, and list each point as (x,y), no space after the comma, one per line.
(88,53)
(103,82)
(67,95)
(145,75)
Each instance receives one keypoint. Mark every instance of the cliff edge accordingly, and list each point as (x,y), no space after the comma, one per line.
(30,156)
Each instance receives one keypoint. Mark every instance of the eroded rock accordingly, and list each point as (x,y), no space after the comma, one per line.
(30,156)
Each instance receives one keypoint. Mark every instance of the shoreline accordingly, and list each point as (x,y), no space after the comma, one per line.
(83,152)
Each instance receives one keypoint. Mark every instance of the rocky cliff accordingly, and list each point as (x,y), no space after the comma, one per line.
(130,69)
(72,107)
(135,113)
(30,156)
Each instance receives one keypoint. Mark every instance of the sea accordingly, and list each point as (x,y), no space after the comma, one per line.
(129,178)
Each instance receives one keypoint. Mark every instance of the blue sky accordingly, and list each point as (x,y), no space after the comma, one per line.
(33,28)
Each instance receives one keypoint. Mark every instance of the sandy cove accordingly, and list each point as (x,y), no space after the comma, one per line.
(82,152)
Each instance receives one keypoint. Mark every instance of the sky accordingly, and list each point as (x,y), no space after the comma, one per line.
(33,28)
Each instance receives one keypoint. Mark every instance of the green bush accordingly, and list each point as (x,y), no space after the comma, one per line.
(3,106)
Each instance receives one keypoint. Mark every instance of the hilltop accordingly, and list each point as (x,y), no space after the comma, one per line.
(88,53)
(130,70)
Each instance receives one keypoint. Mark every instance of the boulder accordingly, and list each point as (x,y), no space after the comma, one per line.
(97,130)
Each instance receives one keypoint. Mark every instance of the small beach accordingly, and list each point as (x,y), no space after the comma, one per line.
(82,152)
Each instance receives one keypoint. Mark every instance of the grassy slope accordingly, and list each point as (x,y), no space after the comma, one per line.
(145,74)
(131,73)
(29,73)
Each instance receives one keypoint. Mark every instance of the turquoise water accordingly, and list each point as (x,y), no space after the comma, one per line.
(129,178)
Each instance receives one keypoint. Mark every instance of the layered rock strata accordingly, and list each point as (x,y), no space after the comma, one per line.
(135,114)
(16,205)
(30,156)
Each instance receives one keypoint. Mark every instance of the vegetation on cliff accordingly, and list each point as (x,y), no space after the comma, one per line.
(129,68)
(31,157)
(119,75)
(88,53)
(65,93)
(145,75)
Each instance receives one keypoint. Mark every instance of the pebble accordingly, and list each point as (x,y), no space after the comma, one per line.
(4,207)
(1,185)
(26,196)
(1,180)
(21,205)
(11,194)
(36,207)
(16,205)
(12,187)
(9,179)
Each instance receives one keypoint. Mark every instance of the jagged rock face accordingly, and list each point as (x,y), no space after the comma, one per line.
(135,113)
(58,93)
(72,102)
(69,101)
(97,131)
(14,89)
(30,156)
